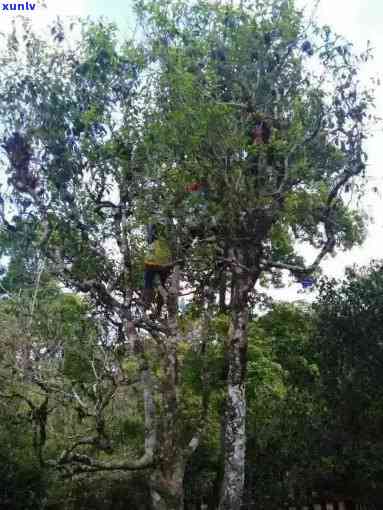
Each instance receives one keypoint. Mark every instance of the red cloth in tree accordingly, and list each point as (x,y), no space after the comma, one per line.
(194,186)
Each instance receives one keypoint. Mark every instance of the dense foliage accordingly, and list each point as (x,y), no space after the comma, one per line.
(314,408)
(229,133)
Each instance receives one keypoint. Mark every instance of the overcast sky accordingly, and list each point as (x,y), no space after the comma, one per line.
(357,20)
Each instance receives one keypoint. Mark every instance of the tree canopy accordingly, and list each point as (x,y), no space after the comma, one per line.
(235,132)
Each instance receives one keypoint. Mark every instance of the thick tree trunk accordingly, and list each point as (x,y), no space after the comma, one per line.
(167,489)
(235,406)
(235,419)
(167,480)
(166,483)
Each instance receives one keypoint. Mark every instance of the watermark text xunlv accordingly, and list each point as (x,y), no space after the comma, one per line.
(17,7)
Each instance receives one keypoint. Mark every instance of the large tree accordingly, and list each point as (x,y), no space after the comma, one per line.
(261,109)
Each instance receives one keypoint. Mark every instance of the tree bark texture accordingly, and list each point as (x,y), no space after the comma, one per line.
(167,490)
(235,406)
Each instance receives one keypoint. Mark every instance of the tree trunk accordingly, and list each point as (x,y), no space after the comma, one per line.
(167,480)
(235,406)
(167,490)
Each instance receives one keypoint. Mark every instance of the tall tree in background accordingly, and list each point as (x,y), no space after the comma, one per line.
(349,347)
(253,104)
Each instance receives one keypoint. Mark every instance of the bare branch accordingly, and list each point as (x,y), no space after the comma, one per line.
(145,462)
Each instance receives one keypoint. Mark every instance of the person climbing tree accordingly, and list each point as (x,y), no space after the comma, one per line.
(157,264)
(260,161)
(261,133)
(264,163)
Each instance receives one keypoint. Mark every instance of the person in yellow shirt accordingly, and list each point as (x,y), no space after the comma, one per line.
(157,263)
